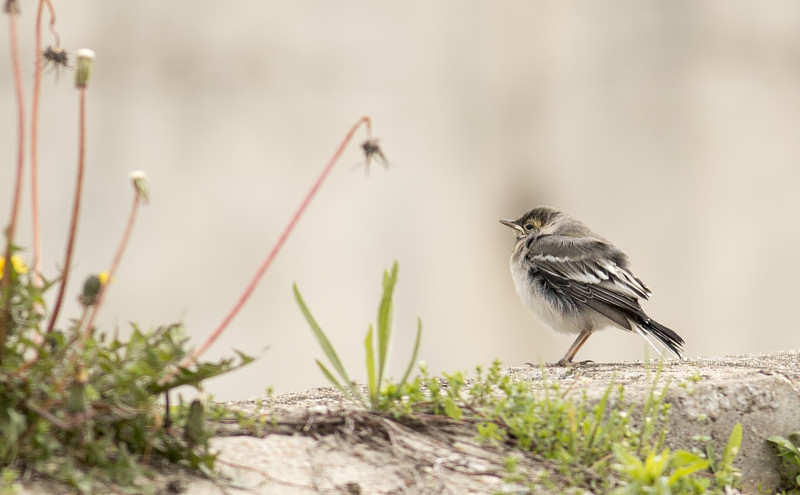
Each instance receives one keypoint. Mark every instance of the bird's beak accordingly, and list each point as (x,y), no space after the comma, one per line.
(510,223)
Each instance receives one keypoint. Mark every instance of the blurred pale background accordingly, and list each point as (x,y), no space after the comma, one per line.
(672,128)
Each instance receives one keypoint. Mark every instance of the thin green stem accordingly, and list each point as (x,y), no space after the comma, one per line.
(76,206)
(5,283)
(279,244)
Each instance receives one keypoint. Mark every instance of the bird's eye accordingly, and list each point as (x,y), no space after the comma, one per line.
(529,227)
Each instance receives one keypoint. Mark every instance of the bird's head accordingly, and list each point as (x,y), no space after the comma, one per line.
(542,220)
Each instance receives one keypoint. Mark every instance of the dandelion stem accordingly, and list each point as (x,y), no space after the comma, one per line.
(5,284)
(114,265)
(76,206)
(276,248)
(52,25)
(37,87)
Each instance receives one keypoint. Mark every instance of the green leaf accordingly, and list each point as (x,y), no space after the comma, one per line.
(686,464)
(628,463)
(784,444)
(245,359)
(414,353)
(76,401)
(369,347)
(656,463)
(330,377)
(327,348)
(350,391)
(711,455)
(734,442)
(194,432)
(452,409)
(786,448)
(385,313)
(202,371)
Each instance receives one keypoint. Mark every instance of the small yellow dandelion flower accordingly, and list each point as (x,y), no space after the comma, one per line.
(103,276)
(17,263)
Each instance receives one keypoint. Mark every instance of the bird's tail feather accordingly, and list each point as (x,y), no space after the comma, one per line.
(668,338)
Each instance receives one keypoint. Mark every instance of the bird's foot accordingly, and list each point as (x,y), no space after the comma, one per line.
(563,363)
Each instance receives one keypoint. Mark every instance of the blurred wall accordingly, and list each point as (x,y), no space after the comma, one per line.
(670,128)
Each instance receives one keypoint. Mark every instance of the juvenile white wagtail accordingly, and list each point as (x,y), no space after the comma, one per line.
(577,282)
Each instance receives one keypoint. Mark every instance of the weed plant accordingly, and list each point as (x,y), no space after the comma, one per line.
(788,449)
(375,398)
(76,404)
(85,410)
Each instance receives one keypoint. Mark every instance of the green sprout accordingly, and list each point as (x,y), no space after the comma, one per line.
(788,450)
(375,371)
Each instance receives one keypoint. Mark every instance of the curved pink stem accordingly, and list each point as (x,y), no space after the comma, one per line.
(277,247)
(76,206)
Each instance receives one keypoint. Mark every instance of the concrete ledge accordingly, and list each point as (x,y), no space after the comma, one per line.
(762,392)
(708,397)
(325,446)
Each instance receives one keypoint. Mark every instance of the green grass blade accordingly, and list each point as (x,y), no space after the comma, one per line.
(732,449)
(369,347)
(327,348)
(331,378)
(348,392)
(385,313)
(413,360)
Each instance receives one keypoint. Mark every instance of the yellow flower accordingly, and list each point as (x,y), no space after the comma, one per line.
(103,276)
(17,264)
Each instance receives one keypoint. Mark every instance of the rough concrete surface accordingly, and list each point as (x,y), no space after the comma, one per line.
(374,455)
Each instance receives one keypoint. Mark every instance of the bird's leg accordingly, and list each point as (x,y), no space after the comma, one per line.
(573,349)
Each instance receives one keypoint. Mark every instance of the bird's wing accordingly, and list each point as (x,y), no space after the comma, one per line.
(585,269)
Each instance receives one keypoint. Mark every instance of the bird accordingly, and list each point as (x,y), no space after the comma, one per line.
(577,282)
